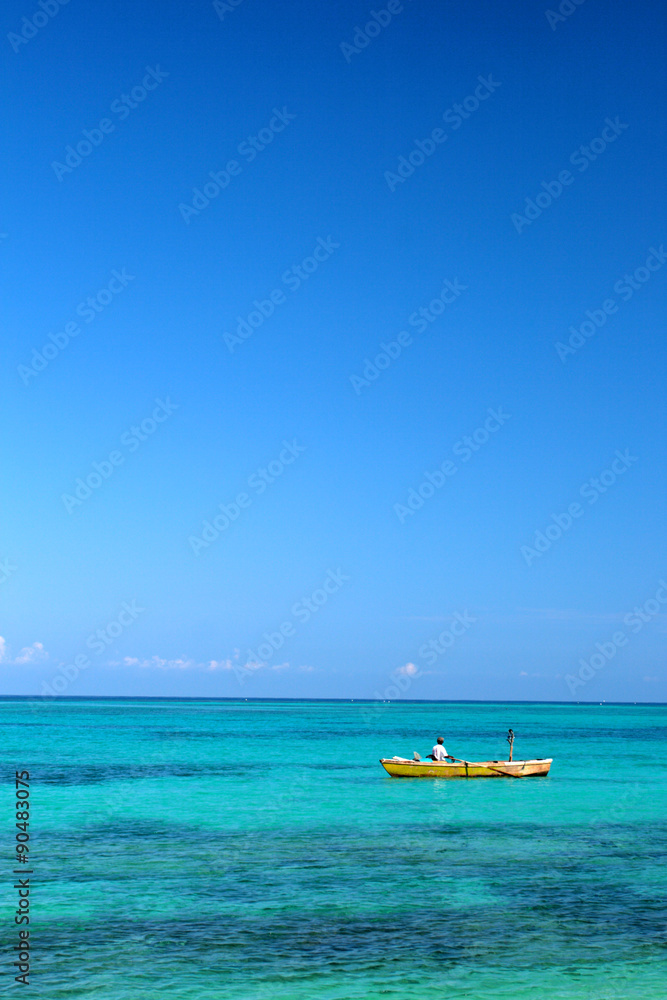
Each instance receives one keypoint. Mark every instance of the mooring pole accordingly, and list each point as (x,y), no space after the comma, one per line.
(510,740)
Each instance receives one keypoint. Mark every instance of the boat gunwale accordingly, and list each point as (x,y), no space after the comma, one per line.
(478,763)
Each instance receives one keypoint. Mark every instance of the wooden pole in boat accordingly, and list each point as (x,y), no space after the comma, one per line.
(470,763)
(510,740)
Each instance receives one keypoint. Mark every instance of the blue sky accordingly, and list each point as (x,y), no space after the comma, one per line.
(503,236)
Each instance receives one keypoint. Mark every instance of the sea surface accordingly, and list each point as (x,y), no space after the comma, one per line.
(246,850)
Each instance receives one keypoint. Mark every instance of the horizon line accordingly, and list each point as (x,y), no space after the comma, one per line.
(361,701)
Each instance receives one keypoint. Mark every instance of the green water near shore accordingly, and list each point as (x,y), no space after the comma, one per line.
(247,850)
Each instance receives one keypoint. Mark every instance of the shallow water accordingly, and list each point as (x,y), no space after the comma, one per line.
(247,850)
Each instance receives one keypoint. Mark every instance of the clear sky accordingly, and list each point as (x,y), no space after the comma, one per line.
(215,215)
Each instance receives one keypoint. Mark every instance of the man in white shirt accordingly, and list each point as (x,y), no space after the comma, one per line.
(439,752)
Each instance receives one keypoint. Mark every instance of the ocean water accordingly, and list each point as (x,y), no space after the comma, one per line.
(243,850)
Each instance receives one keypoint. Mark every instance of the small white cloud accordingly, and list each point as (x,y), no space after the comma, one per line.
(158,663)
(220,665)
(179,663)
(209,666)
(408,670)
(29,654)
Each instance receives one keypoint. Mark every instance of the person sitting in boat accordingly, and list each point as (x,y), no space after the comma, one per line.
(439,752)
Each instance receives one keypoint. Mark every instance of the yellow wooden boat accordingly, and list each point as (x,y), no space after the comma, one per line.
(401,767)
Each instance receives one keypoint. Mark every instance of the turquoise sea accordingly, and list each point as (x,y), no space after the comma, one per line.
(243,850)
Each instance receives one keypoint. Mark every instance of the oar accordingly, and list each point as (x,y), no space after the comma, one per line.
(507,774)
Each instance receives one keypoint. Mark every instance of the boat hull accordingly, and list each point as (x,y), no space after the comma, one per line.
(400,768)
